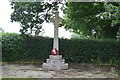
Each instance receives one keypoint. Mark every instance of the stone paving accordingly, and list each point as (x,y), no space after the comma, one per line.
(35,71)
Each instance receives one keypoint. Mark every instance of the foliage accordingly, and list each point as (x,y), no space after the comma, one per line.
(101,17)
(79,36)
(80,17)
(39,47)
(31,15)
(73,50)
(14,47)
(1,30)
(112,12)
(93,51)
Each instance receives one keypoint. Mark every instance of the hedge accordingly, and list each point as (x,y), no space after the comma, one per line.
(17,47)
(13,47)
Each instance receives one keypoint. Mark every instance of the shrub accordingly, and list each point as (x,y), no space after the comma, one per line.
(92,51)
(24,47)
(13,47)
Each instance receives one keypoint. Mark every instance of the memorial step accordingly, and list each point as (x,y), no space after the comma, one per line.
(61,61)
(55,66)
(55,62)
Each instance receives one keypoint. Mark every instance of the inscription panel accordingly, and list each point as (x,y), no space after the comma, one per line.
(55,61)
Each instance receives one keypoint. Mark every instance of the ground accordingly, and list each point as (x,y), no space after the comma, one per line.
(74,71)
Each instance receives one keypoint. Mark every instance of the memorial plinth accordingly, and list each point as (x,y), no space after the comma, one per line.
(55,62)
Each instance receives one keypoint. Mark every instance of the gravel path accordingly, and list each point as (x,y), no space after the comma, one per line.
(79,71)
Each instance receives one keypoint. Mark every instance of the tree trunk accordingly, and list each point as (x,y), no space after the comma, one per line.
(111,32)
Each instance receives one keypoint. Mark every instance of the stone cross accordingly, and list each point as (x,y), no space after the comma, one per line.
(56,20)
(55,62)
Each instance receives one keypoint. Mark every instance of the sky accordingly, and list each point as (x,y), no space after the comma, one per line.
(8,26)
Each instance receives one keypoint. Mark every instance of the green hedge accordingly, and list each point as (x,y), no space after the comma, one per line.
(14,47)
(23,47)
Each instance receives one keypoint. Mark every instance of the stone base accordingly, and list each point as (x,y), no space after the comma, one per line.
(54,66)
(55,62)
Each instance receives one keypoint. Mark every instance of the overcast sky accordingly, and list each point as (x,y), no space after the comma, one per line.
(7,26)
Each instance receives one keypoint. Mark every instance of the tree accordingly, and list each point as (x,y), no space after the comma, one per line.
(31,15)
(1,30)
(79,36)
(102,18)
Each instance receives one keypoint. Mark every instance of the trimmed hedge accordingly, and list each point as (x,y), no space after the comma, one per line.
(23,47)
(13,47)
